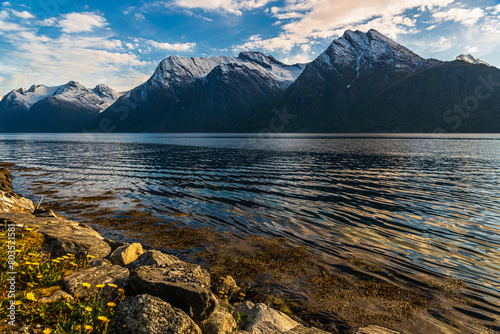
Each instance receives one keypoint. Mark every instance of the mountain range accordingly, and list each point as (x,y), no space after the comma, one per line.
(363,82)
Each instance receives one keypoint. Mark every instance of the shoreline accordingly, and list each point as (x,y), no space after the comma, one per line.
(288,260)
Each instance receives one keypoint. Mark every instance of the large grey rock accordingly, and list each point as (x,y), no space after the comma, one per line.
(265,320)
(219,322)
(145,314)
(109,274)
(154,258)
(63,236)
(305,330)
(183,285)
(126,254)
(375,330)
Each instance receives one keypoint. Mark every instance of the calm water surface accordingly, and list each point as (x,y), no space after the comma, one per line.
(421,203)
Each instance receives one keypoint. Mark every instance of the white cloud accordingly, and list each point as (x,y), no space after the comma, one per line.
(222,6)
(81,22)
(139,17)
(23,15)
(6,4)
(467,17)
(181,47)
(324,19)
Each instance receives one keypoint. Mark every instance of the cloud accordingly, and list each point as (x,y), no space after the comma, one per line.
(467,17)
(308,20)
(139,17)
(221,6)
(23,15)
(81,22)
(6,4)
(181,47)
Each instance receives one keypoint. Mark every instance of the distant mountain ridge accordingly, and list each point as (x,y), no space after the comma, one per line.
(363,82)
(201,94)
(40,108)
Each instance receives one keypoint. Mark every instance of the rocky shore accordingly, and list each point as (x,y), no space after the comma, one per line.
(163,293)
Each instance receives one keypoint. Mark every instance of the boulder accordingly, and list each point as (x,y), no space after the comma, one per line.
(109,274)
(115,244)
(55,297)
(78,239)
(219,322)
(265,320)
(126,254)
(145,314)
(375,330)
(183,285)
(153,258)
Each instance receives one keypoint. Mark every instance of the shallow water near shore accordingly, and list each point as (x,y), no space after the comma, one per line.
(420,204)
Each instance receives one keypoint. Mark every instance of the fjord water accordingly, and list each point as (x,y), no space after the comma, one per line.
(419,203)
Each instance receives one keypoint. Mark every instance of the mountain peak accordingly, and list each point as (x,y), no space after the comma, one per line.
(358,50)
(259,58)
(468,58)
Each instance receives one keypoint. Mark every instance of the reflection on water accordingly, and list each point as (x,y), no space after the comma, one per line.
(420,203)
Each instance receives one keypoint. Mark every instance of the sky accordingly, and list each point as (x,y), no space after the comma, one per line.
(120,42)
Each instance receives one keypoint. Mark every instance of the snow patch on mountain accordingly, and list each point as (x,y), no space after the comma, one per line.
(468,58)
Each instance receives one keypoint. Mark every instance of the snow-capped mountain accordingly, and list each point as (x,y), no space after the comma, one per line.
(366,82)
(202,94)
(67,106)
(468,58)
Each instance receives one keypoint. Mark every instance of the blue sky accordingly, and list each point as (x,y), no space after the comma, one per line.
(120,42)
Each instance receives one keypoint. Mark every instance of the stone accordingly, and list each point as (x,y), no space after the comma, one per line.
(145,314)
(62,236)
(110,274)
(153,258)
(375,330)
(219,322)
(305,330)
(126,254)
(265,320)
(77,239)
(228,286)
(115,244)
(55,297)
(103,262)
(183,285)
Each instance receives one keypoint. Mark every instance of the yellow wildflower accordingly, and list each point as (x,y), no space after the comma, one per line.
(88,327)
(111,304)
(71,255)
(121,291)
(65,257)
(31,254)
(88,309)
(103,318)
(35,263)
(18,251)
(29,229)
(56,261)
(73,264)
(90,256)
(31,296)
(100,286)
(47,331)
(39,276)
(112,285)
(87,285)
